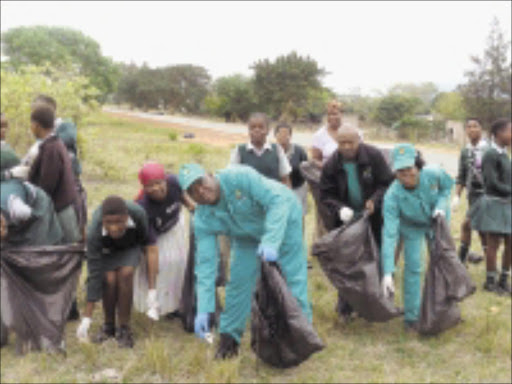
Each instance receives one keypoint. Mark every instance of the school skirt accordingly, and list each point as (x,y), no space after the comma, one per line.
(172,262)
(129,257)
(491,214)
(302,194)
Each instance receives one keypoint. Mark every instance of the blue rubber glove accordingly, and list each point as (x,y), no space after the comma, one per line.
(201,324)
(267,253)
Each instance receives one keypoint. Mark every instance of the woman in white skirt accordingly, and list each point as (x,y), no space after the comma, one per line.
(162,198)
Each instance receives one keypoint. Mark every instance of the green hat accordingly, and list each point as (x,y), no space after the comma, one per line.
(8,158)
(403,156)
(188,174)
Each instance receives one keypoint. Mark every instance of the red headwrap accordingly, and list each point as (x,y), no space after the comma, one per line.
(151,171)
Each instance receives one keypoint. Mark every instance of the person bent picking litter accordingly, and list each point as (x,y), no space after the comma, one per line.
(263,220)
(116,238)
(416,196)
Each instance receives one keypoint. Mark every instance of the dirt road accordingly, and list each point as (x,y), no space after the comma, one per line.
(231,133)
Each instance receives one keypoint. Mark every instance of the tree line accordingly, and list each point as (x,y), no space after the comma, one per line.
(289,87)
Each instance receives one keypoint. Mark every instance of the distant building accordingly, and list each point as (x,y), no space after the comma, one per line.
(455,132)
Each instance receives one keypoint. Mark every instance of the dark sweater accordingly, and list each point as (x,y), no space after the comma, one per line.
(374,175)
(52,172)
(496,170)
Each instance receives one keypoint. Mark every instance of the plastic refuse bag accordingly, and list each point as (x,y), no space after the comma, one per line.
(281,335)
(188,304)
(349,257)
(447,282)
(38,285)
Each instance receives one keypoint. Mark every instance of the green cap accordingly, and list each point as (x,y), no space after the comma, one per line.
(189,173)
(403,156)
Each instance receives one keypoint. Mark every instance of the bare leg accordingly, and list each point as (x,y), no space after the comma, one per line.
(110,297)
(124,294)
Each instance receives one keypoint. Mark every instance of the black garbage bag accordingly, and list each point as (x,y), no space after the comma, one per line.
(3,332)
(447,282)
(38,285)
(188,304)
(281,335)
(349,257)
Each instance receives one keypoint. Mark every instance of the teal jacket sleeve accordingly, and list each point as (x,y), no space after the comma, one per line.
(445,190)
(205,267)
(275,201)
(391,232)
(94,263)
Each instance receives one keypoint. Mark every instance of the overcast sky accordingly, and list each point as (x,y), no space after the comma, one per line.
(365,45)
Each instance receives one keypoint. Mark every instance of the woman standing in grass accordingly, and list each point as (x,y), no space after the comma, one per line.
(161,198)
(492,213)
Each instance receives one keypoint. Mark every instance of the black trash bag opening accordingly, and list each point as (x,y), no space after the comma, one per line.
(281,335)
(188,303)
(350,258)
(38,286)
(447,282)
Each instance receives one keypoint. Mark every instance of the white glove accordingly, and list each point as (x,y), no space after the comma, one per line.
(83,329)
(455,202)
(346,214)
(388,287)
(19,172)
(438,213)
(18,210)
(152,303)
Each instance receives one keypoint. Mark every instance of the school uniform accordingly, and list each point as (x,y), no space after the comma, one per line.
(167,230)
(51,171)
(470,170)
(38,225)
(270,160)
(492,213)
(107,254)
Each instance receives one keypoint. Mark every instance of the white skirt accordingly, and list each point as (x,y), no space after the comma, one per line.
(172,261)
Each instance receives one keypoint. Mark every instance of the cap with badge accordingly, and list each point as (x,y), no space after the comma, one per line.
(403,156)
(189,173)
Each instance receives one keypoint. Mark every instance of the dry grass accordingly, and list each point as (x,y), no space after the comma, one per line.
(478,350)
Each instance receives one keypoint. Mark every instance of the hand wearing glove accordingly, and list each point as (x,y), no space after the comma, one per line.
(201,325)
(267,253)
(152,304)
(18,210)
(438,213)
(83,329)
(388,287)
(346,214)
(19,172)
(455,202)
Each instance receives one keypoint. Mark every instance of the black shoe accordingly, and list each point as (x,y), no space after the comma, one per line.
(411,326)
(491,286)
(475,258)
(173,315)
(227,348)
(310,265)
(107,331)
(73,314)
(504,285)
(124,337)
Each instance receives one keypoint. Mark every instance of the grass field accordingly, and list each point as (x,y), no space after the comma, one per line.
(478,350)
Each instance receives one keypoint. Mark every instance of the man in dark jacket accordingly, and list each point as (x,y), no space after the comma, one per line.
(354,179)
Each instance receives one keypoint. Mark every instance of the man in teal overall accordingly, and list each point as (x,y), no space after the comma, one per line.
(418,194)
(263,219)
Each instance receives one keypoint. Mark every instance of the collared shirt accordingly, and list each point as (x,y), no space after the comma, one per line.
(129,224)
(284,165)
(501,150)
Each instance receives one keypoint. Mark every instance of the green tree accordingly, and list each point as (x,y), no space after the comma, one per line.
(392,108)
(487,92)
(425,92)
(285,85)
(232,97)
(450,105)
(62,48)
(74,95)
